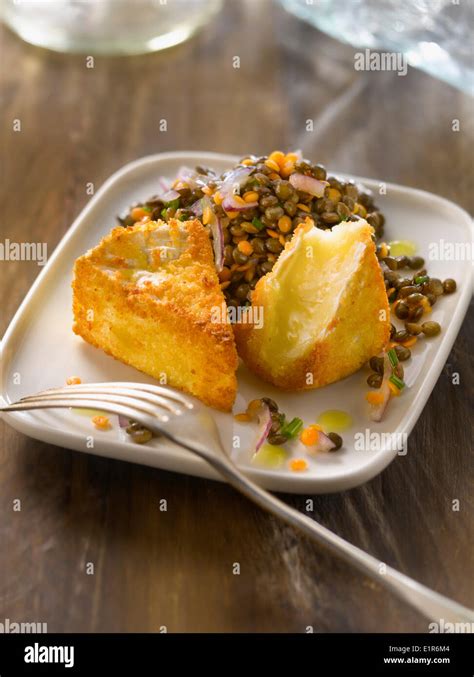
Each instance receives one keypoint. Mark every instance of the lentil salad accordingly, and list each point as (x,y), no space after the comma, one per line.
(253,209)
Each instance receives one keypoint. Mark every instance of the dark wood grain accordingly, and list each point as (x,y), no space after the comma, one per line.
(174,568)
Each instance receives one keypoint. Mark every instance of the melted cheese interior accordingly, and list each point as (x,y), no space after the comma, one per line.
(305,287)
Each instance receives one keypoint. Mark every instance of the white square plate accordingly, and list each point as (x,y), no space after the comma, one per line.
(41,351)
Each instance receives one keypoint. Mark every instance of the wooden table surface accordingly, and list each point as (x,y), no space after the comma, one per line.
(174,568)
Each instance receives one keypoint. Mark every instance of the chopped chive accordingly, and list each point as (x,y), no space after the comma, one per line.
(397,382)
(393,296)
(281,419)
(174,204)
(421,279)
(292,428)
(163,213)
(146,209)
(257,223)
(393,357)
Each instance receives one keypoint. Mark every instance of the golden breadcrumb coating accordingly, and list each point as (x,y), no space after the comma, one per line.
(325,309)
(147,295)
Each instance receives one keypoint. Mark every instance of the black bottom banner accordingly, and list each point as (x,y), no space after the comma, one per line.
(148,654)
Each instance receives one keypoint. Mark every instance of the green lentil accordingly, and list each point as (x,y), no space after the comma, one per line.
(430,328)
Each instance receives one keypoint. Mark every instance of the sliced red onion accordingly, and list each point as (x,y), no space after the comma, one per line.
(193,179)
(196,208)
(231,205)
(324,443)
(164,184)
(308,184)
(123,421)
(188,176)
(264,425)
(231,186)
(162,198)
(387,366)
(235,180)
(217,234)
(217,243)
(202,180)
(169,196)
(377,410)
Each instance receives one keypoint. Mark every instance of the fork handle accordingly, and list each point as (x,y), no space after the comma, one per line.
(429,603)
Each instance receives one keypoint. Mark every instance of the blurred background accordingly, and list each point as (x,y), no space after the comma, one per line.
(237,76)
(245,76)
(435,35)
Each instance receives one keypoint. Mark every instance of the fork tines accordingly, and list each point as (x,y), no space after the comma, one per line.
(124,398)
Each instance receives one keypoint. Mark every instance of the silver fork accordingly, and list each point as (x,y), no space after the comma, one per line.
(166,412)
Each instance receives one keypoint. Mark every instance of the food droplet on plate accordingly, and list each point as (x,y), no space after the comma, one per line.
(270,456)
(298,465)
(73,380)
(335,420)
(402,248)
(88,413)
(101,422)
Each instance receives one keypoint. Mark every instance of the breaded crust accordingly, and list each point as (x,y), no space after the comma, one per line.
(164,321)
(359,329)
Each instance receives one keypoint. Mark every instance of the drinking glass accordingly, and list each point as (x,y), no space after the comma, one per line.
(107,26)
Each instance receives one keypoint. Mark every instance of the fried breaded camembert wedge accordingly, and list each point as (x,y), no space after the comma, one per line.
(147,295)
(325,309)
